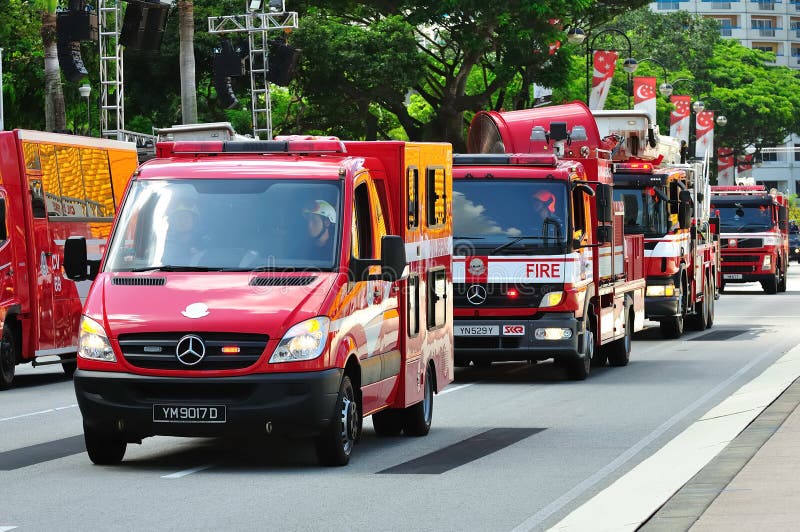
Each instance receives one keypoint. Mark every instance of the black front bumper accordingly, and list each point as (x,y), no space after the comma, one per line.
(749,278)
(523,347)
(293,403)
(658,307)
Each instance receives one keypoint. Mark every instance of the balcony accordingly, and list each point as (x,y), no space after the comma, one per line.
(765,5)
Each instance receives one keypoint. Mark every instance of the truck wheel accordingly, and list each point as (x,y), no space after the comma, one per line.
(335,444)
(8,358)
(771,286)
(103,449)
(782,281)
(578,368)
(69,366)
(672,327)
(388,422)
(711,298)
(699,319)
(418,417)
(619,351)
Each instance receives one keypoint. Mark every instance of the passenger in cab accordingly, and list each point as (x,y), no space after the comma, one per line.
(320,217)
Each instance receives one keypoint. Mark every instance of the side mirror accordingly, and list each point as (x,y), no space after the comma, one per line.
(76,265)
(605,234)
(673,197)
(393,257)
(586,189)
(605,200)
(684,215)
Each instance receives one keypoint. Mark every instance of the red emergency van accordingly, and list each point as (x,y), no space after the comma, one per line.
(270,287)
(51,186)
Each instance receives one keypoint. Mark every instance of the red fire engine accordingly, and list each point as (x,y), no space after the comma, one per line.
(754,230)
(51,186)
(542,268)
(288,287)
(660,198)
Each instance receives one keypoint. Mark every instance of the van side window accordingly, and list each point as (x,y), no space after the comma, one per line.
(362,223)
(436,198)
(578,213)
(412,186)
(97,183)
(436,295)
(413,305)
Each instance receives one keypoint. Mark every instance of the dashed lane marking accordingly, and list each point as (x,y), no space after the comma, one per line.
(186,472)
(29,414)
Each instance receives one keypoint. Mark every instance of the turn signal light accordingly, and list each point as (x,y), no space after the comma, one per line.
(230,349)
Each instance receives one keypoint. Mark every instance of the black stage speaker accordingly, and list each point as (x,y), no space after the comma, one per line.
(143,25)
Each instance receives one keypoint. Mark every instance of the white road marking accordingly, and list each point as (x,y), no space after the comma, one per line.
(49,410)
(186,472)
(6,528)
(456,388)
(605,512)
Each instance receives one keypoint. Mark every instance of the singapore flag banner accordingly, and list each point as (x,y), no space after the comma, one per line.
(604,63)
(704,127)
(679,118)
(725,166)
(644,96)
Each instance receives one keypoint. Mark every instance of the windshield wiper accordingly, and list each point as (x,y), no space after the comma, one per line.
(516,239)
(170,268)
(468,237)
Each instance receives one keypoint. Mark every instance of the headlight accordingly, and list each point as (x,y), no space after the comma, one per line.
(93,342)
(771,241)
(551,299)
(767,263)
(553,333)
(660,290)
(304,341)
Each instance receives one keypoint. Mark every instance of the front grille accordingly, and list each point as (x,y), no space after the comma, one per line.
(741,258)
(158,350)
(281,281)
(529,295)
(744,242)
(193,391)
(487,342)
(738,269)
(138,281)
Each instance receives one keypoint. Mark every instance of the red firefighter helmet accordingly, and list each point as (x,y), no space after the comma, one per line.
(548,198)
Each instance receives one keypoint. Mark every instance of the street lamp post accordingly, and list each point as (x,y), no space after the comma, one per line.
(85,90)
(629,65)
(665,88)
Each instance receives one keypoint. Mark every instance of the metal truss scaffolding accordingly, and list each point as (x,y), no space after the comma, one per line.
(112,108)
(257,26)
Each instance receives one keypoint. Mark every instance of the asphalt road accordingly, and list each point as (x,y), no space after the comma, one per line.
(515,446)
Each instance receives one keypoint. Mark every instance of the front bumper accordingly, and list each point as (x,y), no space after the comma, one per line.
(294,403)
(520,347)
(748,277)
(658,307)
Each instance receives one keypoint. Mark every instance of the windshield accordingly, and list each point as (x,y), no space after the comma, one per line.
(227,224)
(743,218)
(504,216)
(645,212)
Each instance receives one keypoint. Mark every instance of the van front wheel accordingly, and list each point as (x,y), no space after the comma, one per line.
(8,358)
(103,449)
(335,444)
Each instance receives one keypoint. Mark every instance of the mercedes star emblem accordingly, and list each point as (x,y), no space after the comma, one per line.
(190,350)
(476,294)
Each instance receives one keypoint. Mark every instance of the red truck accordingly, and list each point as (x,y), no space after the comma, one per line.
(51,186)
(315,289)
(754,230)
(667,203)
(542,268)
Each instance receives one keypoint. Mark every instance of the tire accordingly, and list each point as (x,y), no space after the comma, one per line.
(103,449)
(699,319)
(782,282)
(417,418)
(8,357)
(619,351)
(69,366)
(578,368)
(388,422)
(672,327)
(335,444)
(712,297)
(771,286)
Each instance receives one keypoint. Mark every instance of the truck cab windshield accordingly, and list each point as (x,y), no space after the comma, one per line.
(645,212)
(495,216)
(743,217)
(227,225)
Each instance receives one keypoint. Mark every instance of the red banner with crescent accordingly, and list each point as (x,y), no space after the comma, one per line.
(644,95)
(679,118)
(725,166)
(745,166)
(704,130)
(604,62)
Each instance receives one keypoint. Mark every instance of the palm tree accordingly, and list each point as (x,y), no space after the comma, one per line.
(54,111)
(188,87)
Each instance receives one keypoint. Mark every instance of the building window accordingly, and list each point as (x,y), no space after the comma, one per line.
(769,157)
(768,5)
(797,152)
(720,5)
(665,5)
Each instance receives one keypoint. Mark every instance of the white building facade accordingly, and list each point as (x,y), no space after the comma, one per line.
(772,26)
